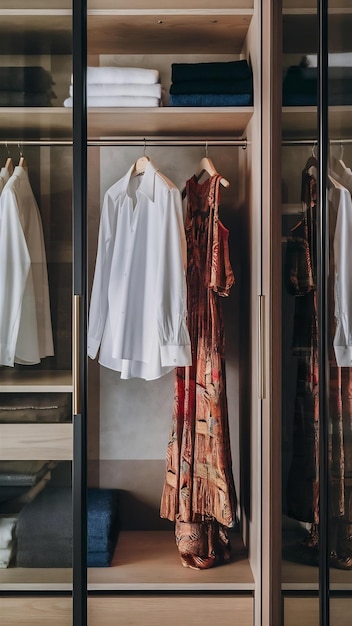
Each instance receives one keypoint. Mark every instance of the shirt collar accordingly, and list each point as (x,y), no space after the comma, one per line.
(147,185)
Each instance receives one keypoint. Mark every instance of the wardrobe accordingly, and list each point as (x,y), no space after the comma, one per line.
(116,434)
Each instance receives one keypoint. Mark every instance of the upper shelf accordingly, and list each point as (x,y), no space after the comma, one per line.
(130,28)
(105,123)
(301,122)
(300,26)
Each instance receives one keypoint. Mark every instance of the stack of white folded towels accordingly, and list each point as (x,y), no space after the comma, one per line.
(121,87)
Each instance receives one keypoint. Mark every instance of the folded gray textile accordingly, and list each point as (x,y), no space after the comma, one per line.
(210,100)
(32,407)
(31,79)
(222,70)
(24,99)
(212,86)
(22,473)
(44,528)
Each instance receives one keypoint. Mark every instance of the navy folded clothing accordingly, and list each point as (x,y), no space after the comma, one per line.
(210,100)
(223,70)
(100,559)
(103,519)
(31,79)
(302,99)
(304,80)
(212,86)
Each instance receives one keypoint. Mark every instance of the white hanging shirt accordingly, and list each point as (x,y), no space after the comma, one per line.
(340,199)
(25,324)
(4,177)
(138,305)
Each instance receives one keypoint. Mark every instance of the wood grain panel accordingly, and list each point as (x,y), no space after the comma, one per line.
(36,611)
(198,610)
(36,442)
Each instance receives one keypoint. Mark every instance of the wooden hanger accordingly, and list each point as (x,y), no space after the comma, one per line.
(141,163)
(9,165)
(207,166)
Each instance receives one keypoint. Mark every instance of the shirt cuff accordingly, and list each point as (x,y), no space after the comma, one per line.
(177,356)
(92,349)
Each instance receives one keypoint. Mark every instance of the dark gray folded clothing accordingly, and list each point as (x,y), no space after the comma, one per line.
(212,86)
(22,473)
(210,100)
(44,527)
(23,99)
(44,555)
(29,78)
(222,70)
(35,407)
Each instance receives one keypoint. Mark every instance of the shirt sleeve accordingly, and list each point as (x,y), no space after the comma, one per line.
(14,267)
(343,280)
(98,309)
(175,344)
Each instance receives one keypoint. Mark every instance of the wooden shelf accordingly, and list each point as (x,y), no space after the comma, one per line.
(300,26)
(50,124)
(299,577)
(169,121)
(14,380)
(22,442)
(46,28)
(143,561)
(37,123)
(301,122)
(129,31)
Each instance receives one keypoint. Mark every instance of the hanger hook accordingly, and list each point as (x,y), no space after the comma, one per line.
(20,150)
(206,148)
(341,150)
(144,146)
(7,148)
(313,150)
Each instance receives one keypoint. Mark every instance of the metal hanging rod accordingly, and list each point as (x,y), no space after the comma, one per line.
(161,141)
(311,142)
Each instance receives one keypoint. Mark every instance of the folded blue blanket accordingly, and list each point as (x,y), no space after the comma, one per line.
(100,559)
(212,86)
(223,70)
(211,100)
(103,520)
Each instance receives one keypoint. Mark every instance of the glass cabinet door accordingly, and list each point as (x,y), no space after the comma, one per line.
(36,443)
(300,380)
(316,303)
(339,310)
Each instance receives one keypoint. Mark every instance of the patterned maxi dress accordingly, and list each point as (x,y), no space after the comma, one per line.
(199,493)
